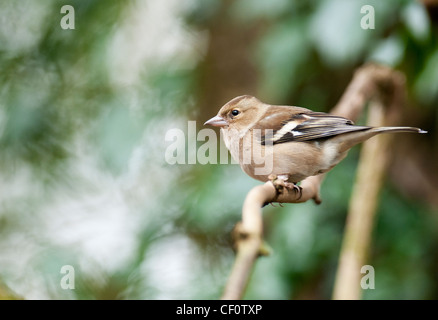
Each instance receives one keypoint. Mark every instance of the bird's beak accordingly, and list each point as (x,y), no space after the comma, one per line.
(217,122)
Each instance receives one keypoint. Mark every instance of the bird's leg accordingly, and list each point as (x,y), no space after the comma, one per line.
(281,181)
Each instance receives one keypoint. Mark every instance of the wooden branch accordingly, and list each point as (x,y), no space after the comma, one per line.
(363,204)
(249,239)
(369,82)
(373,162)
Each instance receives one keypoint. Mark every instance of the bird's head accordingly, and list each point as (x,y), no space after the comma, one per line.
(238,113)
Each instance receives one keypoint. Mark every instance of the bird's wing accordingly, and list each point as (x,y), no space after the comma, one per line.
(277,116)
(306,126)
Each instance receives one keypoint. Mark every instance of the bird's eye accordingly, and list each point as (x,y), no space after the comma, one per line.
(235,112)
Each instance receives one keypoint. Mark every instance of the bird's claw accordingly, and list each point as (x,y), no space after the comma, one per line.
(279,204)
(279,183)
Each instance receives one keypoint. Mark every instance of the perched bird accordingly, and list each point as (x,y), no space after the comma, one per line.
(291,143)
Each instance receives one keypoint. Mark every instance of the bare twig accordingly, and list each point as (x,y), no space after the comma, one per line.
(370,82)
(249,235)
(364,200)
(363,203)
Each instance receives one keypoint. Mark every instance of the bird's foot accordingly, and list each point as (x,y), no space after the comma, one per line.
(280,181)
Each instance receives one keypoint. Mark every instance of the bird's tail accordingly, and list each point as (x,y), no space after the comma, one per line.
(397,129)
(348,140)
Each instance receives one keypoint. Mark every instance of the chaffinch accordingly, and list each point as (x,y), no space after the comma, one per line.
(291,143)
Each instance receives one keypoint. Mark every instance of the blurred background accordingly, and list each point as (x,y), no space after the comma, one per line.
(83,117)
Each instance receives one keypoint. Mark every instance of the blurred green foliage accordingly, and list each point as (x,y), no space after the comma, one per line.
(83,119)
